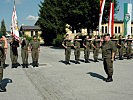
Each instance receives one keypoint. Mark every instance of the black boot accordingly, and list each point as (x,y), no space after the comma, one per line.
(2,89)
(33,64)
(109,79)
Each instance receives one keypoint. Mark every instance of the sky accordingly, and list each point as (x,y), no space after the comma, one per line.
(27,11)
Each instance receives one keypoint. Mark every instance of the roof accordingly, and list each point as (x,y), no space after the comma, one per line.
(23,28)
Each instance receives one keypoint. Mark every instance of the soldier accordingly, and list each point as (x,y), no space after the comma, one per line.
(129,47)
(114,40)
(87,44)
(67,45)
(2,53)
(14,44)
(24,52)
(5,49)
(120,47)
(35,48)
(108,50)
(77,49)
(96,47)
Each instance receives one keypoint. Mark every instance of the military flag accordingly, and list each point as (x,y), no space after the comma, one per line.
(102,4)
(14,25)
(127,19)
(111,19)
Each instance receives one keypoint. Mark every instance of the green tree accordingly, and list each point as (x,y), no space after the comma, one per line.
(3,27)
(55,14)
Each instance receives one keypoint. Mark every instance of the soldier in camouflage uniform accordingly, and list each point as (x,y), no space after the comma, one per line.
(35,48)
(87,45)
(96,47)
(129,47)
(114,40)
(67,45)
(24,52)
(120,47)
(2,44)
(108,50)
(77,49)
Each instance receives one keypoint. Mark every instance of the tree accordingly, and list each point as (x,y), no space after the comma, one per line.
(55,14)
(3,27)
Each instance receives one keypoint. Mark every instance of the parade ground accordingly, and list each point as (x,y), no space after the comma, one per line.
(54,80)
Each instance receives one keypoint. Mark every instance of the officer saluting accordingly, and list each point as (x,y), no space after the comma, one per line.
(67,45)
(108,50)
(35,48)
(129,47)
(87,44)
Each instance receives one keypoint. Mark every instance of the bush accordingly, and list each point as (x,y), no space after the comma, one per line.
(58,40)
(29,38)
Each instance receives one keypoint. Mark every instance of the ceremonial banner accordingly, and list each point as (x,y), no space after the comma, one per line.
(127,19)
(102,3)
(14,25)
(111,19)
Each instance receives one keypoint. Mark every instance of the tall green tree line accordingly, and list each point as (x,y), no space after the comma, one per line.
(55,14)
(3,28)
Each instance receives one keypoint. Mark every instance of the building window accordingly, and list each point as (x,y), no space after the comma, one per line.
(31,33)
(115,29)
(106,29)
(36,33)
(102,29)
(119,30)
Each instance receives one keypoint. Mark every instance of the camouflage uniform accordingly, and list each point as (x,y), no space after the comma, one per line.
(96,43)
(115,46)
(87,44)
(129,48)
(77,50)
(1,59)
(121,48)
(108,48)
(35,45)
(24,52)
(14,52)
(67,43)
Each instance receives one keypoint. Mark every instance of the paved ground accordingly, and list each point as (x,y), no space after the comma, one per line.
(54,80)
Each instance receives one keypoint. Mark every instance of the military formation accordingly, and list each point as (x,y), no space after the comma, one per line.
(108,45)
(27,46)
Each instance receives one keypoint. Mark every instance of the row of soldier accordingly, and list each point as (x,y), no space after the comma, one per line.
(33,46)
(26,46)
(96,43)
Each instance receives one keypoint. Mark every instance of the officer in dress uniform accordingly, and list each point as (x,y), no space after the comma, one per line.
(87,45)
(67,45)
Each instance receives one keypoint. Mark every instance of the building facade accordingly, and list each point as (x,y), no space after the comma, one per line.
(30,31)
(118,28)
